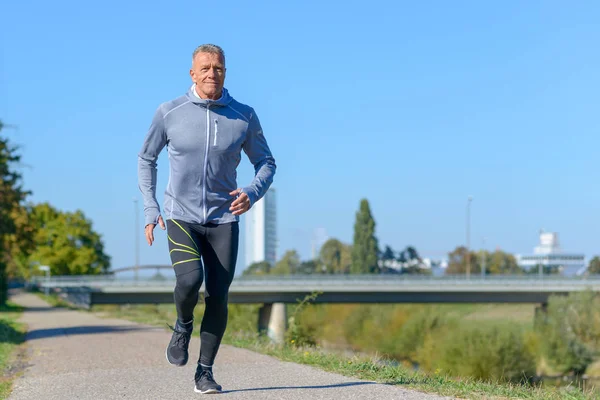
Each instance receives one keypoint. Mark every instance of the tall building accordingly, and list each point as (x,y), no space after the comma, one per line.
(549,255)
(261,230)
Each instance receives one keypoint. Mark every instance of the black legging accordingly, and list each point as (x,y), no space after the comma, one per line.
(216,246)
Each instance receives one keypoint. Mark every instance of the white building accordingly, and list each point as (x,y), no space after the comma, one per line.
(550,256)
(261,230)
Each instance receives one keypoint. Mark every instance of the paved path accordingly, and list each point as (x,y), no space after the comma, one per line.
(77,355)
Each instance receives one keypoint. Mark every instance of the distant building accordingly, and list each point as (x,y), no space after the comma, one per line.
(549,255)
(423,264)
(438,267)
(261,230)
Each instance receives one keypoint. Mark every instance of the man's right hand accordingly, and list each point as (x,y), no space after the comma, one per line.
(149,231)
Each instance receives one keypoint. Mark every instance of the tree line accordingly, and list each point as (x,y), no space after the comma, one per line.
(364,256)
(32,234)
(336,257)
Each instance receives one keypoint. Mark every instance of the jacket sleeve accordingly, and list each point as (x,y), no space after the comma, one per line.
(155,141)
(257,150)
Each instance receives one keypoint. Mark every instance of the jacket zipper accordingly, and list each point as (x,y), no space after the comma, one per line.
(216,131)
(206,159)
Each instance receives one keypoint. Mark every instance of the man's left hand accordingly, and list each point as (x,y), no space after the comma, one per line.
(241,204)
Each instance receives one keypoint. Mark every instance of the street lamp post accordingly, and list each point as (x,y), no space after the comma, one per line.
(468,256)
(47,270)
(137,238)
(483,260)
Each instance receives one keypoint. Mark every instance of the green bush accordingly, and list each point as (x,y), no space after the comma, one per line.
(482,350)
(299,334)
(570,331)
(417,328)
(354,326)
(242,317)
(435,338)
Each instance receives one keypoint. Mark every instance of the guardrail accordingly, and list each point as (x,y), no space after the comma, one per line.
(335,280)
(331,288)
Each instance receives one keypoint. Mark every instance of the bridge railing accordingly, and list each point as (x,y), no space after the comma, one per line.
(330,280)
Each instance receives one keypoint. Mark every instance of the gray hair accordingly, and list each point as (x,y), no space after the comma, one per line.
(209,48)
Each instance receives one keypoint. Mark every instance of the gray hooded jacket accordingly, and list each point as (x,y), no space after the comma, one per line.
(204,139)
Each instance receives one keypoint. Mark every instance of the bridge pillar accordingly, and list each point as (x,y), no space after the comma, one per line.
(540,314)
(272,319)
(264,314)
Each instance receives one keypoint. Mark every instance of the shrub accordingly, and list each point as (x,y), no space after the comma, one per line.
(299,334)
(488,351)
(417,328)
(570,331)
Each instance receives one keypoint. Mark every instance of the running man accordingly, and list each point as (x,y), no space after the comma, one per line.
(205,132)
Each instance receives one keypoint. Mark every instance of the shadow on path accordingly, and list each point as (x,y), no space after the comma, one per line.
(8,333)
(45,309)
(83,330)
(339,385)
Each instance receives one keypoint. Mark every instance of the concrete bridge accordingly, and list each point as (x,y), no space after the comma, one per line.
(274,291)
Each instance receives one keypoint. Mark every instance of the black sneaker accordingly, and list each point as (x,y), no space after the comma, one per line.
(205,383)
(177,350)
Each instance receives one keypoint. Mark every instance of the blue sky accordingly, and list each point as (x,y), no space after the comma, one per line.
(414,106)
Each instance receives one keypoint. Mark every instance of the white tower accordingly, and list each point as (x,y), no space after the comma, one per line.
(548,243)
(261,230)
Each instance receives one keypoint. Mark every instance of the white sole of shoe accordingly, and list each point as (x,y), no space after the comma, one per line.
(209,391)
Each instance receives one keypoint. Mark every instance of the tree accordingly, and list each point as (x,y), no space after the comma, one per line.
(365,247)
(387,261)
(335,257)
(20,244)
(402,256)
(258,268)
(594,267)
(289,264)
(498,262)
(412,254)
(309,267)
(413,262)
(388,254)
(502,263)
(12,195)
(457,261)
(66,242)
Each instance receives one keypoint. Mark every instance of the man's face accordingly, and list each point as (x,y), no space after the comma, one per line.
(208,73)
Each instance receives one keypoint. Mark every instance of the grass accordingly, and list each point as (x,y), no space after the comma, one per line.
(12,334)
(518,313)
(54,300)
(375,369)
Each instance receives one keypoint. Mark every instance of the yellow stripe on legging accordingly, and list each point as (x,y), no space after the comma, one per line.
(184,261)
(177,223)
(187,251)
(183,245)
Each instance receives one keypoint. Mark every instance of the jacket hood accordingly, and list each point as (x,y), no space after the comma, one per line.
(223,101)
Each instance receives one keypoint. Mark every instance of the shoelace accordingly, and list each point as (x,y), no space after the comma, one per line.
(208,374)
(182,337)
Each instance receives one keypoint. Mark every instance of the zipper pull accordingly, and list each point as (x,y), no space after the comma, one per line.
(216,131)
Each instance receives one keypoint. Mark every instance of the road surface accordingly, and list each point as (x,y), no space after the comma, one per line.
(77,355)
